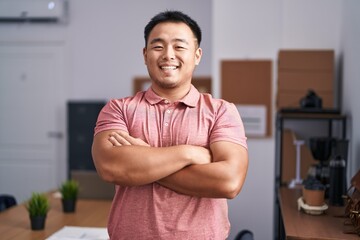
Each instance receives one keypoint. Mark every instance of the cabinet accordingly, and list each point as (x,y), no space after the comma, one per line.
(335,127)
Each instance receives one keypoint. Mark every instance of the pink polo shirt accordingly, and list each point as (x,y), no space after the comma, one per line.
(155,212)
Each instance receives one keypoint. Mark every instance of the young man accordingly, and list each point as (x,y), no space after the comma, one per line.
(175,155)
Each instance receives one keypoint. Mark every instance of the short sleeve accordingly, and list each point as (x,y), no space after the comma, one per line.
(111,117)
(228,125)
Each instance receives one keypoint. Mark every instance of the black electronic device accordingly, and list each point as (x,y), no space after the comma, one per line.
(337,185)
(311,100)
(332,156)
(321,150)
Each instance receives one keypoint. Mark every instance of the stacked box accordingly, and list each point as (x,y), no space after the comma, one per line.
(302,70)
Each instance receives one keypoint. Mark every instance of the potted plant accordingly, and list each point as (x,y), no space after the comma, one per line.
(69,191)
(313,192)
(38,207)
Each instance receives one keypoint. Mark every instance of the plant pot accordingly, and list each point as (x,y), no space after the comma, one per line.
(69,205)
(314,197)
(37,222)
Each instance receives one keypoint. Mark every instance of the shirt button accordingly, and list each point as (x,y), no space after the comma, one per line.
(166,124)
(168,111)
(166,101)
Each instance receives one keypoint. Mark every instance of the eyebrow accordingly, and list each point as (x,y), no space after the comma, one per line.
(156,40)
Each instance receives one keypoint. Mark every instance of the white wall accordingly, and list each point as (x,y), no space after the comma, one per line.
(106,41)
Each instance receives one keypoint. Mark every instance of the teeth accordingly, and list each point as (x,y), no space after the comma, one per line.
(168,67)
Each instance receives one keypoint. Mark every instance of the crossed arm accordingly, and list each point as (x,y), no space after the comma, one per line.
(192,170)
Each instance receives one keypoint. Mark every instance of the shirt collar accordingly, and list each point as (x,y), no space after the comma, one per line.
(190,99)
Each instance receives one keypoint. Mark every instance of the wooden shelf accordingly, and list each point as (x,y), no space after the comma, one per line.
(299,225)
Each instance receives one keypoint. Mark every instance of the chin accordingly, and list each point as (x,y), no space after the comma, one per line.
(167,83)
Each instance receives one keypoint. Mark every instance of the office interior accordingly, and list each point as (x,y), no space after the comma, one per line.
(95,53)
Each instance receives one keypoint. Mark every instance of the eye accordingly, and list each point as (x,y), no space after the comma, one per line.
(157,47)
(180,47)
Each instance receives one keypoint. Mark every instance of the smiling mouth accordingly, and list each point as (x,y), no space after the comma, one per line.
(169,67)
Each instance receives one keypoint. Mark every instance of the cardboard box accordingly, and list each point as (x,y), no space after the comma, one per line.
(306,59)
(304,80)
(291,99)
(302,70)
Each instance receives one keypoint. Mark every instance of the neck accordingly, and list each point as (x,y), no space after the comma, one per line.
(172,94)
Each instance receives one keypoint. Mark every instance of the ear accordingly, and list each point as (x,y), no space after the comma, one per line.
(145,55)
(198,54)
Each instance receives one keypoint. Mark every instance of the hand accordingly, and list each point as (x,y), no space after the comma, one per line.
(198,155)
(121,138)
(201,155)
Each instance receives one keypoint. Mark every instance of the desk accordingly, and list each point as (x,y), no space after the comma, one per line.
(299,225)
(15,222)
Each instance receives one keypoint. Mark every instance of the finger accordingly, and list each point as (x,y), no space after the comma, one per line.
(120,138)
(125,138)
(133,141)
(114,141)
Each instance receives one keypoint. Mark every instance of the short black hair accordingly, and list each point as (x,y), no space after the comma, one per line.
(173,16)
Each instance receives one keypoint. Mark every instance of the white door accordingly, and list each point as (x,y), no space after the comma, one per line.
(30,115)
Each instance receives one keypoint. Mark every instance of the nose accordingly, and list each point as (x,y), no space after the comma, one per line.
(169,54)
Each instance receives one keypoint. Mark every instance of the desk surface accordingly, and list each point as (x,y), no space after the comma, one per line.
(15,222)
(299,225)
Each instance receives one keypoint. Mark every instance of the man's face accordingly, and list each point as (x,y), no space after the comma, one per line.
(171,55)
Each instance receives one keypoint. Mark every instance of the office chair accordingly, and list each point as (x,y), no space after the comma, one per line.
(244,235)
(6,201)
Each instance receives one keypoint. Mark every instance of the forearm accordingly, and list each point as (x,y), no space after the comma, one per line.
(125,163)
(211,180)
(222,178)
(138,165)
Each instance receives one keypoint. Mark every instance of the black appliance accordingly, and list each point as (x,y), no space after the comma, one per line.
(332,156)
(337,178)
(321,149)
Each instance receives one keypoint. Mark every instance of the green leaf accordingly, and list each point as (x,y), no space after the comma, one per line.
(37,205)
(69,189)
